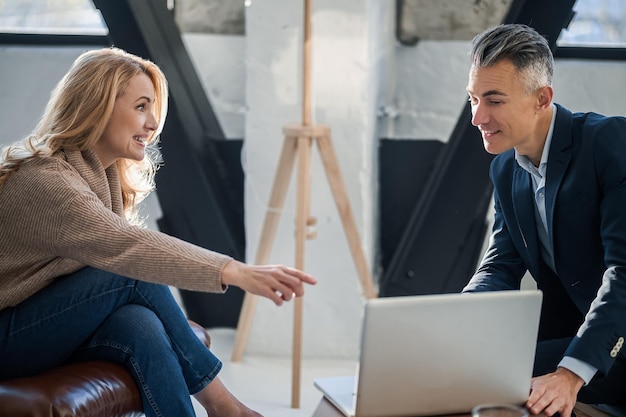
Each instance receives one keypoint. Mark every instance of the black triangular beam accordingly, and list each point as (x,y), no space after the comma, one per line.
(195,186)
(441,243)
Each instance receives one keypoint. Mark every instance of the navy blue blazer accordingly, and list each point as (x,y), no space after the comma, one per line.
(586,216)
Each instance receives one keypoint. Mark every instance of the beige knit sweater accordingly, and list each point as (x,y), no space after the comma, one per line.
(62,213)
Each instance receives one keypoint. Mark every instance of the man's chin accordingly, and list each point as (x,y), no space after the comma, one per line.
(491,149)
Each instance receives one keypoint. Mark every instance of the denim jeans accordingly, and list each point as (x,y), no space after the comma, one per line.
(96,315)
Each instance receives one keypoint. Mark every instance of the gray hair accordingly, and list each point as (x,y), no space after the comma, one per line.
(523,46)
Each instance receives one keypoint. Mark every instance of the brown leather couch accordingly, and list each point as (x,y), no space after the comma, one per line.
(88,389)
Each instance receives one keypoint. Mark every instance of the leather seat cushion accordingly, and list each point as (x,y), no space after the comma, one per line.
(89,389)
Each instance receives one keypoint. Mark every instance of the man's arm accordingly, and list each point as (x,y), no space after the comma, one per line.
(501,267)
(596,344)
(585,371)
(597,341)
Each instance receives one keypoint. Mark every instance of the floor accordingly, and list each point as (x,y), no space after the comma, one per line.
(264,383)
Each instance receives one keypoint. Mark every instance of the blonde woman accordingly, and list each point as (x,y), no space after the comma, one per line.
(78,275)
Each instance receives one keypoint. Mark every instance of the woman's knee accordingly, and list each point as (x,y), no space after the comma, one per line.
(131,330)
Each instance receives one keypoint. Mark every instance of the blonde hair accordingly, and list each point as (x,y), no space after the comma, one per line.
(79,110)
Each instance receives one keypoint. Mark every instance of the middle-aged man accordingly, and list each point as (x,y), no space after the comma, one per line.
(560,213)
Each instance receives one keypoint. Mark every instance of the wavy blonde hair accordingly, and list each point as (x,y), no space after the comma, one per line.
(78,112)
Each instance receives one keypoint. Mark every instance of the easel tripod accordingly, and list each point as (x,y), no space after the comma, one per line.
(298,140)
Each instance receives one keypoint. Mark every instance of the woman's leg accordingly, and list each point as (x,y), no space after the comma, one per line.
(184,352)
(134,336)
(46,329)
(218,401)
(65,315)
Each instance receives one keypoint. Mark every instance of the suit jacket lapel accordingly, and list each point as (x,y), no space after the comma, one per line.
(558,161)
(524,206)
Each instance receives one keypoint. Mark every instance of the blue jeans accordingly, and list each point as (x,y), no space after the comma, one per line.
(96,315)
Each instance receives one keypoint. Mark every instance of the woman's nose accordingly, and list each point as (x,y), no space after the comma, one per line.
(151,122)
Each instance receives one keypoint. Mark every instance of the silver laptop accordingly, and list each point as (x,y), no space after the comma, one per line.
(440,354)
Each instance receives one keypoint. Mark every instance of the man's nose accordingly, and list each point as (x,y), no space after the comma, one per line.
(479,115)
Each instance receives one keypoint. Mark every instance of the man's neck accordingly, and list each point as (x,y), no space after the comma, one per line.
(543,127)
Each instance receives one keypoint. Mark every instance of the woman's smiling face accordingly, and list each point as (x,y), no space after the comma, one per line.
(132,123)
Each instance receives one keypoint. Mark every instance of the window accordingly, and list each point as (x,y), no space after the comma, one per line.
(58,17)
(597,24)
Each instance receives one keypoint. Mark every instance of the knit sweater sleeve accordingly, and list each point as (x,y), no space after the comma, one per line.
(82,228)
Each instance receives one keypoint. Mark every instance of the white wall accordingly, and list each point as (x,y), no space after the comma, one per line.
(584,86)
(344,90)
(431,80)
(429,93)
(27,76)
(220,63)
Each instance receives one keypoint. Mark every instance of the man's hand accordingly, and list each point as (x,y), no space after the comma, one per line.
(277,282)
(554,393)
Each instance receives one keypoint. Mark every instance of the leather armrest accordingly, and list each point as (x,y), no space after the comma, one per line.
(94,389)
(86,389)
(201,332)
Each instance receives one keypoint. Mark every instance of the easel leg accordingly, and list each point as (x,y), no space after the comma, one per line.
(338,188)
(268,233)
(303,206)
(298,141)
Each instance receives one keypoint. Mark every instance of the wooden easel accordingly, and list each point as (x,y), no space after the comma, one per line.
(298,141)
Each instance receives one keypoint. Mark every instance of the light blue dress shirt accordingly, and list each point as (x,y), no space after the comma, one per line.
(538,175)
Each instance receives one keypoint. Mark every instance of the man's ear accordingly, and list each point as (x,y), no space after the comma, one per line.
(544,97)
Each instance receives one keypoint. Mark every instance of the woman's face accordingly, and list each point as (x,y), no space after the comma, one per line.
(132,123)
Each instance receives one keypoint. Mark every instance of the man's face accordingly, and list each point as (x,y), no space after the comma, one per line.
(505,114)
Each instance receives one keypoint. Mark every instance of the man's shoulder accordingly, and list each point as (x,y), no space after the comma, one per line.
(591,129)
(595,121)
(591,121)
(602,132)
